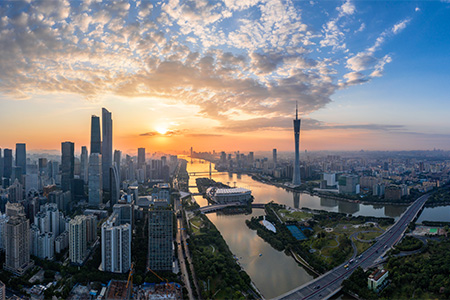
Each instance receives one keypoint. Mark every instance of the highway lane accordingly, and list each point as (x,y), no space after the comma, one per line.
(328,284)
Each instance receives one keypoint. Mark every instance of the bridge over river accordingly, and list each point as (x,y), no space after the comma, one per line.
(328,284)
(217,207)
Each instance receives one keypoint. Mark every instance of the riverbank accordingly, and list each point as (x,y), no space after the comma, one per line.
(219,274)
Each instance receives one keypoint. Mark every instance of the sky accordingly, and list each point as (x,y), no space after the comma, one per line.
(226,75)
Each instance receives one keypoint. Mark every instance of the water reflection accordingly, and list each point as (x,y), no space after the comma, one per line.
(348,207)
(393,211)
(296,197)
(326,202)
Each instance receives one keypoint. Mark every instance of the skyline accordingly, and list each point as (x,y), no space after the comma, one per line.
(226,75)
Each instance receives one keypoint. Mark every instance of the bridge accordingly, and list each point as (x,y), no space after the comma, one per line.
(216,207)
(328,284)
(204,172)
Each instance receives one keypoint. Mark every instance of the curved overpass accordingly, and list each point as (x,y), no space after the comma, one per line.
(328,284)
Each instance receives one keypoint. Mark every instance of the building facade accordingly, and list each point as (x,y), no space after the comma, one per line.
(160,231)
(77,239)
(116,245)
(107,142)
(95,179)
(17,244)
(67,165)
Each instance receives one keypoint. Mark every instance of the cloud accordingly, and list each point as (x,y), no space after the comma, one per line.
(399,26)
(230,59)
(346,9)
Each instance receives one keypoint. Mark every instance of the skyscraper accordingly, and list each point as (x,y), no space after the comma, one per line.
(117,159)
(1,166)
(95,179)
(17,241)
(96,142)
(21,157)
(114,184)
(106,147)
(116,245)
(67,165)
(7,163)
(77,239)
(160,231)
(274,155)
(84,162)
(296,177)
(141,158)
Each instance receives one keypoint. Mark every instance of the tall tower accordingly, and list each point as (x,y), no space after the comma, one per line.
(84,164)
(67,165)
(96,142)
(106,147)
(141,158)
(1,166)
(274,157)
(95,179)
(7,163)
(21,157)
(117,160)
(296,177)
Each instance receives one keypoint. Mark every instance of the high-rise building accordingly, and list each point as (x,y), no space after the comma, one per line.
(95,179)
(3,219)
(91,228)
(17,241)
(160,231)
(77,239)
(114,184)
(117,160)
(15,192)
(96,142)
(107,143)
(296,176)
(141,158)
(43,165)
(67,165)
(7,163)
(21,157)
(54,171)
(84,164)
(1,166)
(274,157)
(2,290)
(116,245)
(14,209)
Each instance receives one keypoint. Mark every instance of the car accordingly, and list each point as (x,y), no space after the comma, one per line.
(317,287)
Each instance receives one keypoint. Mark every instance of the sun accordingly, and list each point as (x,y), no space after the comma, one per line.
(161,129)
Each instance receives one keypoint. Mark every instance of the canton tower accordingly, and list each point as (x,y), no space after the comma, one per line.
(296,177)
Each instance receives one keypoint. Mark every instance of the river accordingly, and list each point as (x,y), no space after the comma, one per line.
(273,272)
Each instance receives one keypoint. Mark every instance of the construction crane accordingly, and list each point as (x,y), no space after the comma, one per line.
(168,287)
(163,279)
(130,275)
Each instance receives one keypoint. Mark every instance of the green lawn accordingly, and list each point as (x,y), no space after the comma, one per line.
(286,215)
(361,247)
(369,235)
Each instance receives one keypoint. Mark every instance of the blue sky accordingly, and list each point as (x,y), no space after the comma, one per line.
(365,74)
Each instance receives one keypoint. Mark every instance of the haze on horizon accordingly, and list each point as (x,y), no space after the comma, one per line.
(226,75)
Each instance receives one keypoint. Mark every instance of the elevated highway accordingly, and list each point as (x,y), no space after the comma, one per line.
(328,284)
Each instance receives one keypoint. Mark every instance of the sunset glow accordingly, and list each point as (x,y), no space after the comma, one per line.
(227,75)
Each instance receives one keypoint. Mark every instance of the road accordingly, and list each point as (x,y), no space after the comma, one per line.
(185,261)
(182,262)
(329,283)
